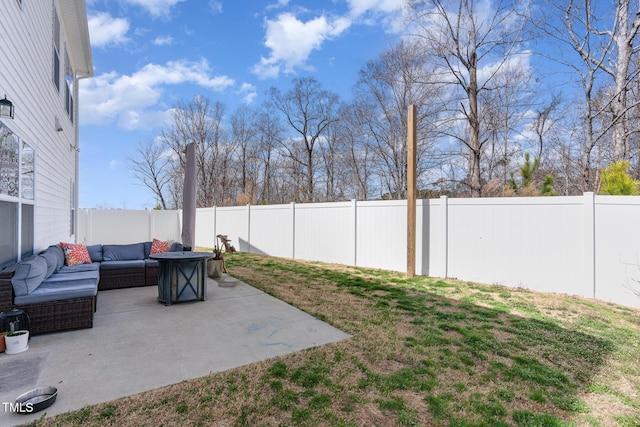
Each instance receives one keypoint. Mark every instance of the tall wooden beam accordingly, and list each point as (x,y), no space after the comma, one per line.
(411,192)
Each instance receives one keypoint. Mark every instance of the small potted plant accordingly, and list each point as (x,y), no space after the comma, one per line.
(16,341)
(215,264)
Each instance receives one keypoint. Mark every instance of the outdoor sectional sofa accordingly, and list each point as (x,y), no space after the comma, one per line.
(60,297)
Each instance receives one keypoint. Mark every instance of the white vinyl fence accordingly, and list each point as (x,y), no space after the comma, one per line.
(580,245)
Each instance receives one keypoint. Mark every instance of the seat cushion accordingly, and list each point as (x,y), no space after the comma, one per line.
(62,286)
(119,265)
(151,263)
(94,266)
(29,275)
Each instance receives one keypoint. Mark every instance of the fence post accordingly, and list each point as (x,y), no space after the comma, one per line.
(151,228)
(590,240)
(444,230)
(293,230)
(215,227)
(354,206)
(248,228)
(89,227)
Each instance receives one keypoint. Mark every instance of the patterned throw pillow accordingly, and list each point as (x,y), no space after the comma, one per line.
(158,246)
(75,254)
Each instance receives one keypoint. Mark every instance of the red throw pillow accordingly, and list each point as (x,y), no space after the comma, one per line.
(158,246)
(75,254)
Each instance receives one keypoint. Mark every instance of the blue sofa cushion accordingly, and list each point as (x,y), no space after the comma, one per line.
(115,265)
(52,261)
(147,249)
(62,286)
(95,253)
(134,251)
(29,275)
(151,263)
(176,247)
(94,266)
(59,253)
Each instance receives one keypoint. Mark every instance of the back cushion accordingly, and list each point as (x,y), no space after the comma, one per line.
(95,252)
(59,253)
(130,252)
(147,249)
(52,261)
(28,275)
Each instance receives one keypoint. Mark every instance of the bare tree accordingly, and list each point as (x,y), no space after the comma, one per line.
(624,34)
(605,48)
(387,86)
(151,166)
(243,135)
(269,135)
(200,122)
(504,111)
(463,35)
(356,140)
(309,110)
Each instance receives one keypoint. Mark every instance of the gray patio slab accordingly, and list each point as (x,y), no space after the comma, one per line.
(138,344)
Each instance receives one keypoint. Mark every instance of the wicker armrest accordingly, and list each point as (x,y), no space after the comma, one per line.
(6,289)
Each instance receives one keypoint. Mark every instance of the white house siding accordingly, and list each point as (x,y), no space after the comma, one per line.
(26,78)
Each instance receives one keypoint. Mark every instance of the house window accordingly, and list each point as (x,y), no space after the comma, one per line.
(27,166)
(68,78)
(17,163)
(56,49)
(9,162)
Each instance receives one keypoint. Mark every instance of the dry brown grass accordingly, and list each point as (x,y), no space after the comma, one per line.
(423,352)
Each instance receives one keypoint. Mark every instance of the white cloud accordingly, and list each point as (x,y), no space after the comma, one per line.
(163,40)
(134,101)
(105,30)
(387,13)
(519,63)
(291,41)
(279,4)
(156,7)
(360,7)
(215,6)
(248,93)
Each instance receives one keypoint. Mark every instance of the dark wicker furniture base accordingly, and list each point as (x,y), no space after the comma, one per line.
(50,316)
(61,315)
(151,275)
(121,278)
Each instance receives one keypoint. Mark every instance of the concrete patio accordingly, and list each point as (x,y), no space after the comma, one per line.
(138,344)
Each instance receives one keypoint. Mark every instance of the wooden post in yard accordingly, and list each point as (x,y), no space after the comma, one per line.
(411,192)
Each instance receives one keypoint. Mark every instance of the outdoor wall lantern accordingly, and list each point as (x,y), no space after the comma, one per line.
(6,107)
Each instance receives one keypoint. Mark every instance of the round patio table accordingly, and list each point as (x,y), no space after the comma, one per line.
(182,276)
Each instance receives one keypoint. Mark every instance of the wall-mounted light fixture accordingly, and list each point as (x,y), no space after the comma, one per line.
(6,107)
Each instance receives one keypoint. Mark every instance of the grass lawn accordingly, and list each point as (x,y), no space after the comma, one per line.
(424,352)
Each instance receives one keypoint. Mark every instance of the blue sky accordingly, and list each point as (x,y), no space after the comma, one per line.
(150,54)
